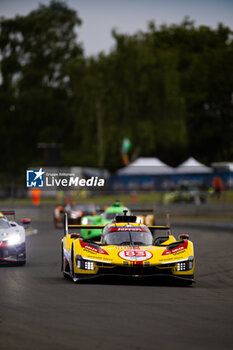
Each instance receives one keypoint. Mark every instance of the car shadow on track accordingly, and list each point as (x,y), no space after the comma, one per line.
(122,281)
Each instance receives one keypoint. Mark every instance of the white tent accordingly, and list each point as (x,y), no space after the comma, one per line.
(146,166)
(223,166)
(191,166)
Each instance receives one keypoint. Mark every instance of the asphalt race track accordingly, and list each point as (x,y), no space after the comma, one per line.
(41,310)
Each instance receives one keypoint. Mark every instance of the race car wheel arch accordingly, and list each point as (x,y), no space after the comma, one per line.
(62,258)
(22,260)
(72,261)
(65,269)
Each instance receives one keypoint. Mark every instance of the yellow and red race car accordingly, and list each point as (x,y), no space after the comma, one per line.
(128,249)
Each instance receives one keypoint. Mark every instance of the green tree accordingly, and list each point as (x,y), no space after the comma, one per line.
(205,59)
(168,89)
(34,90)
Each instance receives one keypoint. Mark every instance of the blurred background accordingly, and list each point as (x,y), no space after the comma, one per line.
(139,92)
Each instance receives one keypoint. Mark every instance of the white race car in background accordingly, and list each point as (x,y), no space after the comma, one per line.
(12,239)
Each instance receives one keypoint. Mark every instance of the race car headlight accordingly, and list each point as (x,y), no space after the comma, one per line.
(14,239)
(84,221)
(89,265)
(73,215)
(139,220)
(84,264)
(185,265)
(190,263)
(181,266)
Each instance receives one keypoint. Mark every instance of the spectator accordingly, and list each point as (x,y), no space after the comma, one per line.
(218,186)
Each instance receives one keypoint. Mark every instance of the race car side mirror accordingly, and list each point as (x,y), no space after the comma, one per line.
(26,222)
(184,236)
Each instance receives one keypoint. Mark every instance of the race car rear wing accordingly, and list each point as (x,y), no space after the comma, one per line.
(100,227)
(8,212)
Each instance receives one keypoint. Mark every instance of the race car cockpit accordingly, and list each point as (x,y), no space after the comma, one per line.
(129,235)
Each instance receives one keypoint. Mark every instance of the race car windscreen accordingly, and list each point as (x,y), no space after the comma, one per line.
(128,236)
(109,216)
(4,224)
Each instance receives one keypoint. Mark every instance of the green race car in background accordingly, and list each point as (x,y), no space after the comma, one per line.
(103,219)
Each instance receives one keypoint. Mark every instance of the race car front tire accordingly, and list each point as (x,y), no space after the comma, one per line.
(65,275)
(72,262)
(22,256)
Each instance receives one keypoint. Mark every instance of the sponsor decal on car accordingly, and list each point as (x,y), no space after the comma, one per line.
(176,250)
(135,255)
(92,248)
(127,247)
(126,228)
